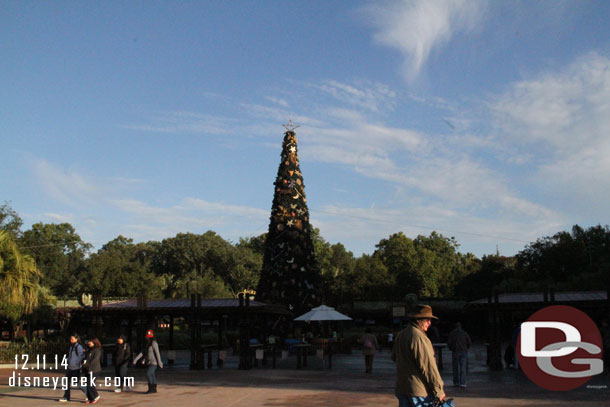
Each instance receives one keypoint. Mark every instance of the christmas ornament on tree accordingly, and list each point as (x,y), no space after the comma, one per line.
(290,274)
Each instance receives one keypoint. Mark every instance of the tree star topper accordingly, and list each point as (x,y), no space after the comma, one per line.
(290,126)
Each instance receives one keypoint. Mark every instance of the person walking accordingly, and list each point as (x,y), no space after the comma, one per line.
(417,378)
(369,348)
(91,366)
(152,358)
(514,342)
(75,359)
(459,342)
(121,358)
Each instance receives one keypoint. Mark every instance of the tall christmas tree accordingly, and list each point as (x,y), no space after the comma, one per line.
(290,274)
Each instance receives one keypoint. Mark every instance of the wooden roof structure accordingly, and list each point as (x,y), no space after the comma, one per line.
(527,300)
(181,307)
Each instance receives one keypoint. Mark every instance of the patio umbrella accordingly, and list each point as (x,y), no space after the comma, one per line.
(323,313)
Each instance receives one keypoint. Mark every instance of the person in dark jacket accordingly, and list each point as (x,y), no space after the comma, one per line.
(91,366)
(121,358)
(152,358)
(459,342)
(75,359)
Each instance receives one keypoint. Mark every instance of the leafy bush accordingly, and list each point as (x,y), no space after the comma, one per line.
(37,347)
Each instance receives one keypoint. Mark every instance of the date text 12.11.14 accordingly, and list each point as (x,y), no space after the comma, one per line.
(41,362)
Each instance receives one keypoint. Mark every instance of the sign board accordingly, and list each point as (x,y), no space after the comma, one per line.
(398,312)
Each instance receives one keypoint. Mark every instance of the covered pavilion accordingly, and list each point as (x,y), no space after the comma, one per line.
(126,316)
(505,312)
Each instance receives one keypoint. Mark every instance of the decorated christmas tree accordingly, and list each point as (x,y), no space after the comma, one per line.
(290,274)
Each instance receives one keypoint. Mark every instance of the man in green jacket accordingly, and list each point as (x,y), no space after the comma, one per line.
(417,378)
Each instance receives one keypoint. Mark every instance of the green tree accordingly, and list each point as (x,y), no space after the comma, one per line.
(187,259)
(367,278)
(398,254)
(335,262)
(445,265)
(323,254)
(244,269)
(495,273)
(576,260)
(60,255)
(10,220)
(428,266)
(120,268)
(255,244)
(204,282)
(19,280)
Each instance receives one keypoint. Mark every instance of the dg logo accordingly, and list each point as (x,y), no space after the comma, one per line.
(560,348)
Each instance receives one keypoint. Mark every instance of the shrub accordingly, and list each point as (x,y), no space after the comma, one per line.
(37,347)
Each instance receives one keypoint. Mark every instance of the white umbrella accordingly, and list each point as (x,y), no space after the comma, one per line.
(323,313)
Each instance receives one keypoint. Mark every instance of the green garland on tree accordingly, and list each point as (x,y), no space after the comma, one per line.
(290,274)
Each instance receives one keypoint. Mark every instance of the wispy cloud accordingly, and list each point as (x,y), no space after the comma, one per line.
(368,95)
(417,27)
(277,101)
(66,186)
(154,215)
(369,225)
(563,117)
(190,215)
(436,167)
(450,173)
(278,114)
(92,198)
(185,122)
(59,217)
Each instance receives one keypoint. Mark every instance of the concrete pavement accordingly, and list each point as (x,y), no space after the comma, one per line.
(315,386)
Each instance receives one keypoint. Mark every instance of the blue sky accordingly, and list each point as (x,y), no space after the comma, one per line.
(484,120)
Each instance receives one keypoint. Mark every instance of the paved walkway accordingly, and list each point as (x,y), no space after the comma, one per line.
(345,385)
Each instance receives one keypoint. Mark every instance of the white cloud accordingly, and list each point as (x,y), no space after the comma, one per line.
(434,167)
(365,147)
(369,225)
(278,115)
(368,95)
(68,187)
(217,207)
(100,210)
(185,122)
(431,167)
(153,215)
(416,27)
(555,107)
(277,101)
(148,222)
(59,217)
(462,182)
(450,175)
(564,119)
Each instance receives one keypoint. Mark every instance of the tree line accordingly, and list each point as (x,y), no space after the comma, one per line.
(50,261)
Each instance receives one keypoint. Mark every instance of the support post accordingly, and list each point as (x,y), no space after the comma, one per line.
(197,357)
(171,354)
(219,361)
(171,332)
(244,335)
(495,342)
(129,329)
